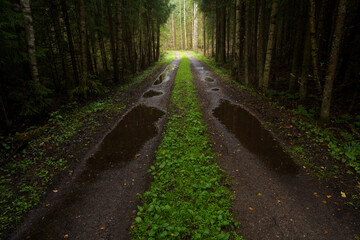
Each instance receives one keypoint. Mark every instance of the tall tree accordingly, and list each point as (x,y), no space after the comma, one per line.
(270,44)
(30,39)
(185,45)
(334,56)
(314,45)
(195,34)
(84,44)
(119,40)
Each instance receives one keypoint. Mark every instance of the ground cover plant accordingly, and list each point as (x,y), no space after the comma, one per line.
(188,198)
(31,160)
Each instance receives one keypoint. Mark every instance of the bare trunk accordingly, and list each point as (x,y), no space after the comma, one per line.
(334,57)
(70,40)
(260,44)
(185,46)
(30,39)
(119,41)
(314,48)
(305,67)
(247,42)
(112,44)
(181,34)
(83,80)
(270,44)
(204,33)
(173,28)
(195,36)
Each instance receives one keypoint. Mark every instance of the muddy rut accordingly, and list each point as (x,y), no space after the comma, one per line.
(274,196)
(102,201)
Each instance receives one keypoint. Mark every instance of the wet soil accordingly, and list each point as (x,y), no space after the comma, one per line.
(151,93)
(98,200)
(274,198)
(164,76)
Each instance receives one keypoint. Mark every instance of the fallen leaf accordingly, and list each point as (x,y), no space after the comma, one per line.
(55,190)
(324,202)
(278,201)
(328,196)
(259,194)
(66,235)
(102,228)
(250,208)
(48,205)
(343,195)
(282,197)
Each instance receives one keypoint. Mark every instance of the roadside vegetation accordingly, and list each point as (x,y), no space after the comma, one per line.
(331,152)
(188,197)
(31,160)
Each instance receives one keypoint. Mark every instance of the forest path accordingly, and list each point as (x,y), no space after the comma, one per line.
(102,201)
(275,199)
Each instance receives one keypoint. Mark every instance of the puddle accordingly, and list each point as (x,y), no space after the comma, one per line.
(215,89)
(254,137)
(210,80)
(119,146)
(151,93)
(162,77)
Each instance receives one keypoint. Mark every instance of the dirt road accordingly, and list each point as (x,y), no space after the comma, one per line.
(103,198)
(275,199)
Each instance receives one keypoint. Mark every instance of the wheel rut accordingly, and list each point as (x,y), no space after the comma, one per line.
(274,198)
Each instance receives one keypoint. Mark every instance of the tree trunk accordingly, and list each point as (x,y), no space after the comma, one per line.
(102,51)
(233,50)
(238,39)
(181,34)
(158,41)
(204,34)
(30,39)
(61,47)
(247,42)
(112,44)
(314,49)
(173,30)
(70,40)
(334,57)
(195,41)
(185,45)
(119,41)
(83,48)
(305,67)
(260,43)
(270,44)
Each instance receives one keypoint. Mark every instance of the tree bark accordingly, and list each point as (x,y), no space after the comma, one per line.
(260,44)
(119,41)
(181,34)
(195,36)
(270,44)
(314,49)
(173,30)
(70,40)
(83,49)
(30,39)
(305,67)
(334,58)
(247,43)
(185,45)
(204,35)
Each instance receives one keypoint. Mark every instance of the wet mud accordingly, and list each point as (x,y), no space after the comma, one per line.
(254,137)
(152,93)
(274,199)
(209,80)
(99,198)
(164,76)
(215,89)
(117,149)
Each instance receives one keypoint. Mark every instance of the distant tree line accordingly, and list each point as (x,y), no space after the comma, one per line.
(55,51)
(307,47)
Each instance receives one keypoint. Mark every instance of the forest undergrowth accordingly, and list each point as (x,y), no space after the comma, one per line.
(331,152)
(188,197)
(30,161)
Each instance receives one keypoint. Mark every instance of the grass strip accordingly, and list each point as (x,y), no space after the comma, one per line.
(27,174)
(187,199)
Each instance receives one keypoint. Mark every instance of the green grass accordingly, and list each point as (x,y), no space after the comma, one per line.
(28,173)
(187,199)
